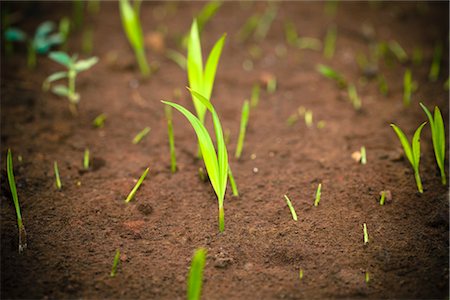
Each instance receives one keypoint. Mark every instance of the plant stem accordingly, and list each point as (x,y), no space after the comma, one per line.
(58,179)
(233,183)
(243,127)
(443,177)
(221,218)
(142,62)
(173,159)
(418,181)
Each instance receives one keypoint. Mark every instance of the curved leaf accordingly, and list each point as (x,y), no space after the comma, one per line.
(211,66)
(44,29)
(131,24)
(440,137)
(61,58)
(405,143)
(15,35)
(85,64)
(195,67)
(415,144)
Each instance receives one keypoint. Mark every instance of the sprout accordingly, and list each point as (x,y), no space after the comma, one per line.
(332,74)
(398,51)
(318,193)
(232,183)
(293,39)
(248,27)
(366,234)
(308,118)
(412,151)
(383,197)
(86,159)
(272,85)
(133,30)
(138,138)
(438,137)
(173,159)
(367,277)
(115,264)
(330,42)
(265,22)
(195,277)
(291,208)
(136,186)
(64,30)
(407,87)
(300,273)
(382,85)
(12,187)
(254,100)
(208,11)
(243,127)
(363,155)
(216,162)
(436,63)
(74,67)
(353,96)
(99,121)
(57,178)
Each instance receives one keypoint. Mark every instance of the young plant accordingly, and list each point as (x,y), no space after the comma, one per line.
(254,100)
(265,22)
(115,264)
(412,151)
(330,42)
(332,74)
(436,63)
(12,187)
(173,159)
(365,234)
(318,193)
(74,66)
(398,51)
(293,39)
(363,155)
(243,127)
(177,58)
(438,138)
(133,30)
(216,162)
(300,274)
(86,159)
(233,185)
(99,121)
(407,88)
(138,138)
(308,116)
(208,11)
(367,277)
(57,178)
(382,198)
(353,96)
(136,187)
(195,277)
(291,208)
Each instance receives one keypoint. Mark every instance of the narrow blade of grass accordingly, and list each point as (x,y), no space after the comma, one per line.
(195,277)
(398,51)
(115,264)
(265,22)
(366,234)
(173,159)
(57,178)
(136,187)
(138,138)
(291,208)
(363,155)
(99,121)
(232,183)
(353,96)
(254,100)
(177,58)
(436,63)
(330,42)
(407,88)
(86,159)
(243,127)
(332,74)
(383,198)
(318,194)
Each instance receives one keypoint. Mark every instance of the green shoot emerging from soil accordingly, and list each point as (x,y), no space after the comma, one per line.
(332,74)
(330,42)
(243,127)
(436,63)
(272,85)
(300,274)
(408,87)
(12,187)
(291,208)
(382,85)
(367,277)
(202,80)
(363,155)
(398,51)
(99,121)
(138,138)
(382,198)
(366,234)
(318,193)
(195,277)
(74,67)
(353,96)
(115,264)
(216,162)
(412,151)
(57,178)
(86,159)
(254,100)
(133,30)
(233,183)
(173,159)
(438,137)
(136,187)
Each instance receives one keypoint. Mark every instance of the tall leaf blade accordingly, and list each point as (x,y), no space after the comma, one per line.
(440,137)
(195,279)
(195,67)
(405,143)
(211,66)
(415,144)
(85,64)
(131,24)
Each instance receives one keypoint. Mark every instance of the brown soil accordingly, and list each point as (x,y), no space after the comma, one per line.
(73,234)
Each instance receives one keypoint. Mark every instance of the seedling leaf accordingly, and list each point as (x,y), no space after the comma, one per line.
(136,187)
(195,277)
(61,58)
(291,208)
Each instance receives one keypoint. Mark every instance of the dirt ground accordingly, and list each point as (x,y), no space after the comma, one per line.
(73,233)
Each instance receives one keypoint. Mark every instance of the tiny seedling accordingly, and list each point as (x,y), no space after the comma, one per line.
(292,119)
(353,96)
(272,85)
(207,13)
(407,88)
(318,193)
(74,66)
(265,22)
(233,185)
(291,208)
(294,40)
(382,198)
(195,277)
(57,178)
(367,277)
(438,138)
(216,162)
(136,187)
(138,138)
(332,74)
(202,175)
(300,274)
(12,187)
(115,264)
(248,28)
(243,128)
(254,99)
(86,159)
(173,159)
(398,51)
(133,30)
(382,85)
(99,121)
(412,151)
(366,234)
(64,31)
(330,42)
(308,118)
(436,63)
(363,155)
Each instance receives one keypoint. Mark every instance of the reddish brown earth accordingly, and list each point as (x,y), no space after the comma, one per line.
(73,233)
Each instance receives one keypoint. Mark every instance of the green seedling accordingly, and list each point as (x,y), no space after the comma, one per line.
(133,30)
(300,274)
(254,99)
(248,28)
(74,66)
(398,51)
(272,85)
(202,175)
(78,13)
(321,124)
(195,277)
(177,57)
(86,159)
(417,56)
(294,40)
(407,88)
(233,185)
(412,151)
(436,63)
(202,80)
(12,187)
(438,138)
(330,42)
(207,13)
(99,121)
(243,128)
(173,159)
(308,118)
(366,234)
(291,208)
(309,43)
(318,193)
(363,155)
(292,119)
(216,162)
(265,22)
(57,178)
(353,96)
(138,138)
(136,187)
(382,85)
(41,43)
(367,277)
(87,41)
(382,198)
(115,264)
(64,31)
(332,74)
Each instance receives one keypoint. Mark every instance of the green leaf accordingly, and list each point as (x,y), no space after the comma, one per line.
(207,12)
(211,66)
(61,58)
(195,279)
(61,90)
(53,77)
(131,24)
(440,137)
(15,35)
(44,29)
(405,143)
(85,64)
(416,146)
(195,67)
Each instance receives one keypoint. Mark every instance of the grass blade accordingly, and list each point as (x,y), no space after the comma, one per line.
(115,264)
(232,183)
(57,178)
(243,127)
(407,88)
(405,143)
(366,234)
(332,74)
(318,194)
(195,277)
(99,121)
(136,187)
(254,100)
(330,42)
(436,63)
(138,138)
(291,208)
(173,159)
(86,159)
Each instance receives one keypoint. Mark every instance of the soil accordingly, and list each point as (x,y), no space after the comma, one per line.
(73,233)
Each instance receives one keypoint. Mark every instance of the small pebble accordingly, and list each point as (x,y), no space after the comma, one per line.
(255,170)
